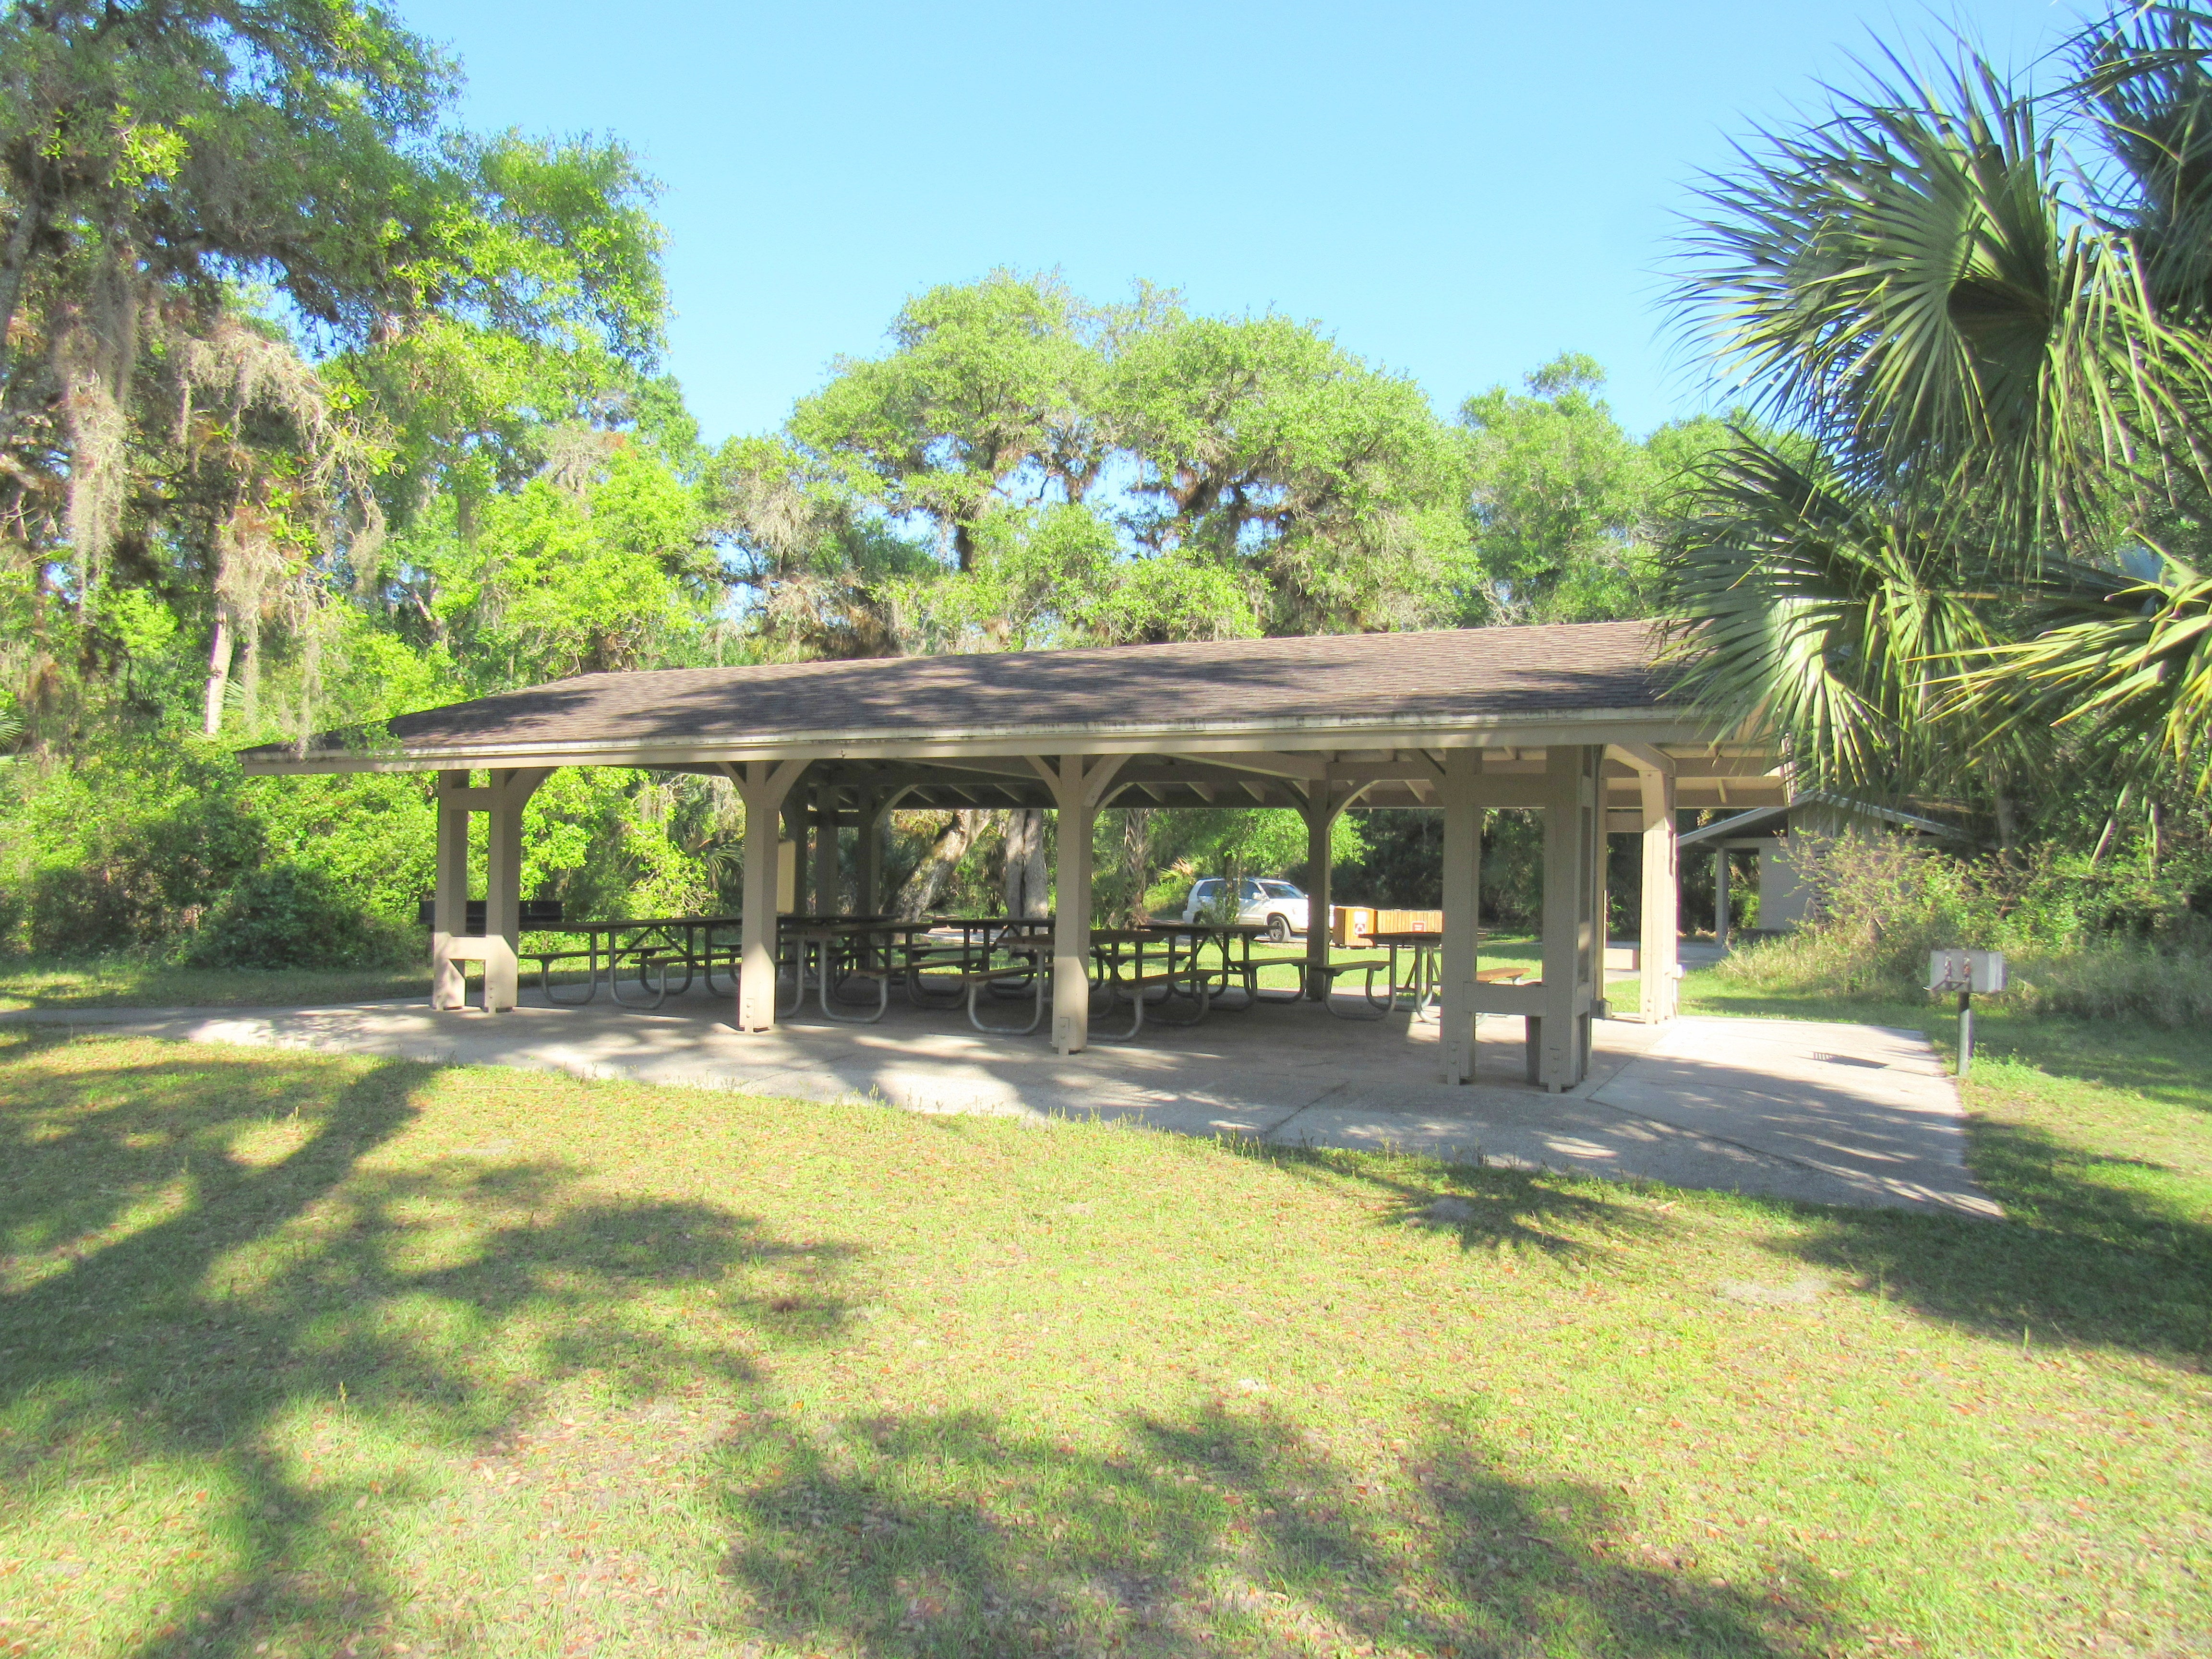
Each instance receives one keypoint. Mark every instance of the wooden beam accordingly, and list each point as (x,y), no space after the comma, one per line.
(1641,757)
(1310,767)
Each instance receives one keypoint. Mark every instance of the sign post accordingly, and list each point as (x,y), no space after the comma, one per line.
(1966,972)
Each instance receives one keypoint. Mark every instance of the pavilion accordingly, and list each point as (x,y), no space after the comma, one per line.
(1577,720)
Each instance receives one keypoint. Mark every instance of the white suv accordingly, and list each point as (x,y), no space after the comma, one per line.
(1277,905)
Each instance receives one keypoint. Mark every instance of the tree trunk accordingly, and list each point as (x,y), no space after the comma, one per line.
(13,266)
(1024,881)
(951,845)
(218,675)
(2007,820)
(1137,859)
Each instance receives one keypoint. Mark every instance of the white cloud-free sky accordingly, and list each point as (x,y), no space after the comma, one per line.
(1456,191)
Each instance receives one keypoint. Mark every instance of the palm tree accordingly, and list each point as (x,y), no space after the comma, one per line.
(1976,326)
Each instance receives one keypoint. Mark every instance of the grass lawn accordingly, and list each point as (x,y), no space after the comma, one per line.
(128,982)
(307,1356)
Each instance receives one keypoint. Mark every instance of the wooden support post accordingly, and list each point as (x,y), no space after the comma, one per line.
(1323,804)
(510,793)
(1071,943)
(1077,789)
(867,853)
(1720,896)
(1601,890)
(762,785)
(791,860)
(1321,820)
(1463,911)
(449,907)
(451,943)
(828,896)
(1573,820)
(1657,948)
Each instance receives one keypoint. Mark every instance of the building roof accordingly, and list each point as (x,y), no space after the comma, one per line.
(1775,820)
(1317,689)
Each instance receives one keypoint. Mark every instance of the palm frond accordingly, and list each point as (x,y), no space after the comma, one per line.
(1908,284)
(2145,86)
(1829,615)
(2132,657)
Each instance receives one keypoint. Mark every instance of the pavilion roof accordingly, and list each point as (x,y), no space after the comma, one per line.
(1307,690)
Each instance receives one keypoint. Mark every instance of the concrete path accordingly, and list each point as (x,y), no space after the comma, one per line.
(1830,1113)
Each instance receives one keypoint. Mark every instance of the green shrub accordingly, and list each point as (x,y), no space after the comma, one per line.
(2096,942)
(121,851)
(286,915)
(2117,979)
(1880,906)
(69,910)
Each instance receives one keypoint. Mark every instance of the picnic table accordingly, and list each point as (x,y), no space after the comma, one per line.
(946,961)
(968,955)
(657,946)
(1235,969)
(649,942)
(1424,979)
(1119,960)
(1422,982)
(842,948)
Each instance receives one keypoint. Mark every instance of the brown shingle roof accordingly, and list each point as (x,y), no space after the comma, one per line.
(1358,679)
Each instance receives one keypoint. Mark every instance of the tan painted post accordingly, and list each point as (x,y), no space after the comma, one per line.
(1661,897)
(1590,985)
(1071,940)
(791,860)
(762,785)
(449,907)
(1721,894)
(510,793)
(1463,911)
(867,853)
(1078,790)
(1321,817)
(1601,890)
(1573,817)
(828,900)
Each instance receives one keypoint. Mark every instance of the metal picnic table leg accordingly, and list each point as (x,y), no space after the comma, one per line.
(1137,997)
(825,948)
(645,958)
(1428,1002)
(591,975)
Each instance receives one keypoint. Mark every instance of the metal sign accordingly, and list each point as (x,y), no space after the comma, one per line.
(1982,972)
(1966,972)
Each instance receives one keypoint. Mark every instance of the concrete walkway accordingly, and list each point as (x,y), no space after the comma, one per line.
(1830,1113)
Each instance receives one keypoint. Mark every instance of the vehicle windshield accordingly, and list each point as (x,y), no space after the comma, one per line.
(1281,889)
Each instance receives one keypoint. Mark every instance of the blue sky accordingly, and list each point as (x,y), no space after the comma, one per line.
(1458,192)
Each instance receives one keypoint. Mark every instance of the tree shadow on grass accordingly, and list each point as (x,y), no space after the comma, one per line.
(1488,1208)
(1226,1528)
(2077,1255)
(2167,1066)
(201,1271)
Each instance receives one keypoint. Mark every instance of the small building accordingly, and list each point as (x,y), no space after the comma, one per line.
(1779,833)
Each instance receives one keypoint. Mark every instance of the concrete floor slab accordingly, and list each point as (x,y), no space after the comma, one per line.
(1829,1114)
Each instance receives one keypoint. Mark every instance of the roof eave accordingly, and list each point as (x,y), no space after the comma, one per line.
(1594,726)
